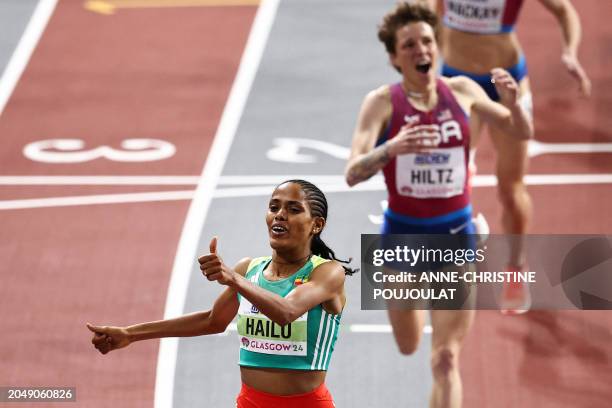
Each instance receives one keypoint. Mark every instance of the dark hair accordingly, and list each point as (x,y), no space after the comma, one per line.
(403,14)
(318,208)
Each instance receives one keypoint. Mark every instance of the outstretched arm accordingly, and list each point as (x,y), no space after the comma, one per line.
(326,283)
(216,320)
(569,22)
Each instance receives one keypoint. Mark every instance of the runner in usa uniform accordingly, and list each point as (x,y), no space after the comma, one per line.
(418,132)
(426,187)
(478,35)
(289,307)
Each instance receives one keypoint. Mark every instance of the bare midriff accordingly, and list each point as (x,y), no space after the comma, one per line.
(479,53)
(281,382)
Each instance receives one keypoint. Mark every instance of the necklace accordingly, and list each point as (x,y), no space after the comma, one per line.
(301,260)
(422,100)
(416,95)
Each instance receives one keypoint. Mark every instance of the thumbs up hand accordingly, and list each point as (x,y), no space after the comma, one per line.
(108,338)
(213,245)
(213,268)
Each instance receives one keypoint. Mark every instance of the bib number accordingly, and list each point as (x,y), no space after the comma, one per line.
(259,334)
(437,174)
(478,16)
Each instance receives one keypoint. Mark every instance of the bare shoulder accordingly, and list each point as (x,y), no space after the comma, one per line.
(379,96)
(382,92)
(330,273)
(242,266)
(468,93)
(463,85)
(377,106)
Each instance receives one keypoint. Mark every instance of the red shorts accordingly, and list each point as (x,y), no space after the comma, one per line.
(252,398)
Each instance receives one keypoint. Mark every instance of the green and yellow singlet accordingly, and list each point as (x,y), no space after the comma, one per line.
(304,344)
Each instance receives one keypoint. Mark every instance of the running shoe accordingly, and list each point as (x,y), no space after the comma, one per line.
(482,228)
(515,296)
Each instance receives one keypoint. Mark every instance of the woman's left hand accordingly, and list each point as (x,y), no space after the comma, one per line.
(577,72)
(214,269)
(506,87)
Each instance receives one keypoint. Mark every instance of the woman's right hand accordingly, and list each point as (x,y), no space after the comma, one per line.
(213,267)
(414,139)
(109,338)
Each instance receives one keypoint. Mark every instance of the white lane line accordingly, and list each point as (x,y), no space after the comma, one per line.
(325,183)
(370,328)
(379,328)
(536,148)
(275,179)
(560,179)
(96,199)
(186,252)
(21,56)
(353,328)
(245,183)
(328,185)
(99,180)
(110,180)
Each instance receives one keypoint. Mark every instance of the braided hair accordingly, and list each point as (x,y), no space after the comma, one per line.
(318,208)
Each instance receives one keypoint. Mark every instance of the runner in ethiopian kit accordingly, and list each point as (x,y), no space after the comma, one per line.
(288,305)
(417,132)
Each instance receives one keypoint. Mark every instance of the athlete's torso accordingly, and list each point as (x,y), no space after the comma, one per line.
(305,344)
(435,183)
(478,35)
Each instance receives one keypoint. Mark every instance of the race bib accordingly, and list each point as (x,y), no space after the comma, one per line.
(259,334)
(437,174)
(475,15)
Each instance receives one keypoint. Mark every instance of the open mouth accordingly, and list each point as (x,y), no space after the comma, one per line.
(278,229)
(423,67)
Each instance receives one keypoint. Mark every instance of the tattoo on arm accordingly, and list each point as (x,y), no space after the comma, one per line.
(368,164)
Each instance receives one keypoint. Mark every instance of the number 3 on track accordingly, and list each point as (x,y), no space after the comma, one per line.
(71,151)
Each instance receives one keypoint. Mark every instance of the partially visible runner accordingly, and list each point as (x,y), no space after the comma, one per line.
(477,36)
(289,307)
(417,132)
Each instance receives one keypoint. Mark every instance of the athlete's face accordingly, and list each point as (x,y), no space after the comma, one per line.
(416,51)
(290,223)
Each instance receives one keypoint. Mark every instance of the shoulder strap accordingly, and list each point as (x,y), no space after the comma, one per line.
(314,262)
(317,260)
(254,264)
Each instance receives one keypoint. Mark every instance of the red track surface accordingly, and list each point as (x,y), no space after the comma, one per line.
(552,359)
(148,76)
(152,73)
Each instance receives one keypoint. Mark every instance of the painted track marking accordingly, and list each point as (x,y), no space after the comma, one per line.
(25,48)
(71,151)
(289,149)
(96,199)
(536,148)
(109,7)
(98,180)
(481,180)
(256,186)
(187,247)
